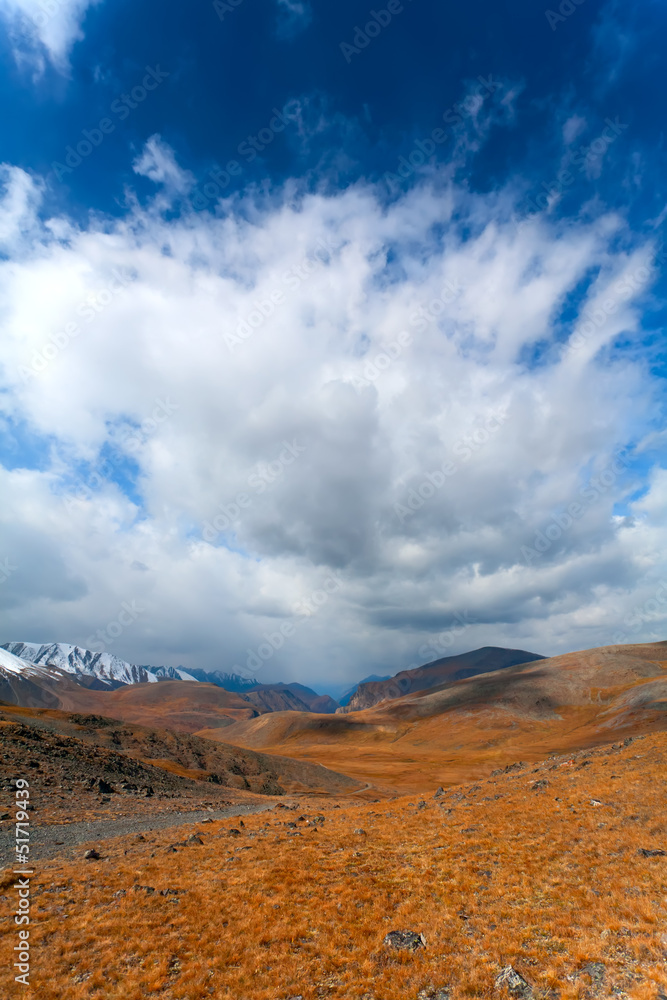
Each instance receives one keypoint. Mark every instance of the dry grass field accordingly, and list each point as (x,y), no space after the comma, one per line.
(461,731)
(539,867)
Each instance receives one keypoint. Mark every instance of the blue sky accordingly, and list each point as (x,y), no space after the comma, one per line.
(362,232)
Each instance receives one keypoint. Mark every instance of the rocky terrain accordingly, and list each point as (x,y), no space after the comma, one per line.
(542,881)
(78,764)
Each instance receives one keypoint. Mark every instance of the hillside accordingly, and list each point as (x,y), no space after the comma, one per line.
(445,670)
(461,730)
(67,756)
(557,870)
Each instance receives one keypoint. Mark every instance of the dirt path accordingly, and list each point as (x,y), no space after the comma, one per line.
(61,840)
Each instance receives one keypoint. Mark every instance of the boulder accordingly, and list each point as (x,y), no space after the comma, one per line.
(514,983)
(405,940)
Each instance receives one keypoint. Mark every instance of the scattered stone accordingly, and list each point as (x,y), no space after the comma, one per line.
(362,833)
(148,889)
(194,839)
(596,970)
(537,785)
(646,853)
(438,794)
(234,832)
(92,855)
(514,983)
(405,940)
(441,993)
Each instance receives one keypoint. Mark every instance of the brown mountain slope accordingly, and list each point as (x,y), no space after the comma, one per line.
(445,670)
(72,751)
(179,705)
(463,730)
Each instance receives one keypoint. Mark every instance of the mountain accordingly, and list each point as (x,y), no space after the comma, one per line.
(294,695)
(230,682)
(169,673)
(82,662)
(347,695)
(462,729)
(449,668)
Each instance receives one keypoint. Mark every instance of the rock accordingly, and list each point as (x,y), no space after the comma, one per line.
(405,940)
(362,833)
(242,824)
(4,816)
(439,793)
(537,785)
(421,804)
(439,993)
(207,820)
(147,791)
(92,855)
(514,983)
(647,853)
(234,832)
(596,970)
(102,786)
(148,889)
(194,839)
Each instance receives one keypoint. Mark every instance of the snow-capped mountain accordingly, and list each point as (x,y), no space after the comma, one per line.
(75,660)
(105,667)
(170,673)
(15,665)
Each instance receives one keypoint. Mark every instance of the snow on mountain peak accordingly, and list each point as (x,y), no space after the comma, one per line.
(75,660)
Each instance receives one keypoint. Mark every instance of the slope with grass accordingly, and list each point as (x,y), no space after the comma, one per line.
(558,870)
(461,730)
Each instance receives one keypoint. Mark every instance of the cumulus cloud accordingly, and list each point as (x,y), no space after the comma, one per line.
(368,421)
(45,30)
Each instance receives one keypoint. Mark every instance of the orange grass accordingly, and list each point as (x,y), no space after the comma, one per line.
(492,874)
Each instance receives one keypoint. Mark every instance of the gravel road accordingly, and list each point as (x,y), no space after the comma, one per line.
(61,840)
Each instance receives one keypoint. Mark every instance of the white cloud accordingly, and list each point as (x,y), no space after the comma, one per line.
(293,17)
(43,30)
(375,342)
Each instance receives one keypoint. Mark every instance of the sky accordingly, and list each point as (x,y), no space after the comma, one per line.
(331,336)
